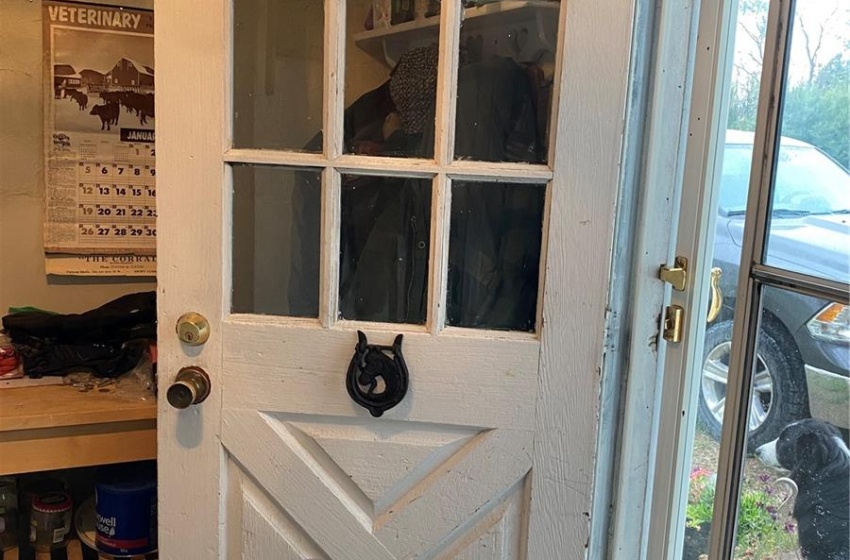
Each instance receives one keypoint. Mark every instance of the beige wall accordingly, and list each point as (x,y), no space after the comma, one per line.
(22,278)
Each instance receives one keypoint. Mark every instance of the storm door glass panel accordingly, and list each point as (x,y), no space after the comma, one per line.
(391,77)
(494,255)
(794,492)
(277,74)
(793,499)
(276,217)
(505,77)
(810,204)
(384,247)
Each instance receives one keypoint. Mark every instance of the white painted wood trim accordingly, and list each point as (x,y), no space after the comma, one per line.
(446,102)
(292,322)
(499,172)
(438,262)
(333,110)
(377,327)
(270,157)
(463,332)
(190,457)
(544,252)
(464,170)
(334,73)
(385,166)
(592,72)
(330,231)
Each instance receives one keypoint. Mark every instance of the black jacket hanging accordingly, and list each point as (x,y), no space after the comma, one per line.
(385,221)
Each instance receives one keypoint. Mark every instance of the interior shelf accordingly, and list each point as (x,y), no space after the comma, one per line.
(525,27)
(74,551)
(57,427)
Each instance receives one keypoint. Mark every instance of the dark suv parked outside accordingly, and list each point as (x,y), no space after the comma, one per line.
(804,342)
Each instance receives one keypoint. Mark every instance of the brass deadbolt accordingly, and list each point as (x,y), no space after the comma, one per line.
(674,323)
(192,386)
(193,329)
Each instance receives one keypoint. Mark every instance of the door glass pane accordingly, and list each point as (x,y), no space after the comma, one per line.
(505,76)
(391,77)
(494,255)
(277,74)
(731,175)
(276,217)
(794,495)
(384,249)
(810,207)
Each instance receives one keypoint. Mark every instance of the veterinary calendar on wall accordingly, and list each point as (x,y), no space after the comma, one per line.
(100,196)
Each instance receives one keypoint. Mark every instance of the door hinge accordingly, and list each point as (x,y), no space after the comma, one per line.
(674,323)
(677,275)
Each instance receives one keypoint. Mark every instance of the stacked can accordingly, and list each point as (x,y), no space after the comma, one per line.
(50,521)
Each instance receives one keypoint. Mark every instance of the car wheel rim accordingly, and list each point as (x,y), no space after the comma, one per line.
(715,374)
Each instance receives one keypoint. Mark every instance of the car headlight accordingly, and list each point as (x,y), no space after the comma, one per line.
(831,324)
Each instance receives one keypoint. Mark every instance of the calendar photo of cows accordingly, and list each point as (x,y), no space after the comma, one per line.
(102,82)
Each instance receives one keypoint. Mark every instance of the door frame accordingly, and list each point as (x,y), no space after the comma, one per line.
(593,78)
(657,415)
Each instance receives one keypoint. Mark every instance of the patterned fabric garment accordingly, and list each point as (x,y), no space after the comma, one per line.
(413,87)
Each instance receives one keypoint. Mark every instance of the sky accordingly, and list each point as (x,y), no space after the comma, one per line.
(833,16)
(98,50)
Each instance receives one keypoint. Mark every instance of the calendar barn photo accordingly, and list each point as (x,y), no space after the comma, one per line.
(102,81)
(100,139)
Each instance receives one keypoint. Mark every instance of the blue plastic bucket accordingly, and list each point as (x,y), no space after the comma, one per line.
(125,508)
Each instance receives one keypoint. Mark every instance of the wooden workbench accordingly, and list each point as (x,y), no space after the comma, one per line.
(58,427)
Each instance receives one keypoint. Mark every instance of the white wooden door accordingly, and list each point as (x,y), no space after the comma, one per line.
(490,453)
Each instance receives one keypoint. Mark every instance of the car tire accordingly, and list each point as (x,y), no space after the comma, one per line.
(779,396)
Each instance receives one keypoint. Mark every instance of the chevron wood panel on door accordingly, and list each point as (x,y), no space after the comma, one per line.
(259,529)
(384,463)
(441,492)
(501,531)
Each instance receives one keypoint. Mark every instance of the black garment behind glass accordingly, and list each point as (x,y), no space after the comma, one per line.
(375,236)
(384,234)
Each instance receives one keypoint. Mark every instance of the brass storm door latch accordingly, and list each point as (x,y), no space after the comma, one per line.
(674,315)
(677,275)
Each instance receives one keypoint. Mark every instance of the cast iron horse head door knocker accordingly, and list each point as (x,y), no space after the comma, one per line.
(377,376)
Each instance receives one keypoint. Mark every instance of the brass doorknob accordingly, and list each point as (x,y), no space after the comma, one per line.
(193,329)
(192,386)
